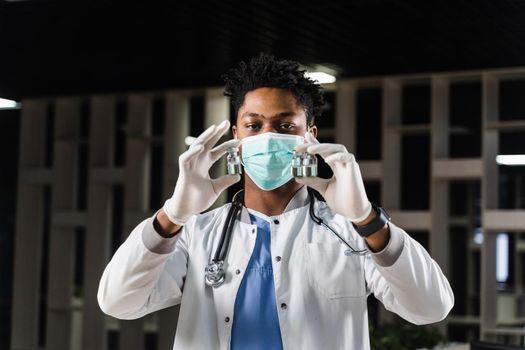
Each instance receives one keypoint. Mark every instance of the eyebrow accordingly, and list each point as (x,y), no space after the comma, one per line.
(257,115)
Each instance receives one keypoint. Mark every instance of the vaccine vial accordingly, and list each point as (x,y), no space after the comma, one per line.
(233,160)
(297,169)
(304,164)
(309,165)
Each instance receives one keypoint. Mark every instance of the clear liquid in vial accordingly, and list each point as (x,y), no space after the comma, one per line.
(233,160)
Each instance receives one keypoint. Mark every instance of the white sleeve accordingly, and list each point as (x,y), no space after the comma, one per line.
(146,273)
(408,281)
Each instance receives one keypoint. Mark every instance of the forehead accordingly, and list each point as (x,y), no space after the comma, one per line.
(270,101)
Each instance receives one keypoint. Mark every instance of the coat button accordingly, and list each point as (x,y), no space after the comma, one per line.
(253,230)
(284,306)
(277,258)
(237,271)
(227,319)
(276,222)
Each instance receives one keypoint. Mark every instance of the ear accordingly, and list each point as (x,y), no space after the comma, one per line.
(234,131)
(313,129)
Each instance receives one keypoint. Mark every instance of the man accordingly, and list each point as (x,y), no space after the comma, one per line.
(291,281)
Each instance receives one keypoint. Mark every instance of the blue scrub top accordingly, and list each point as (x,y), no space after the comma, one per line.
(255,321)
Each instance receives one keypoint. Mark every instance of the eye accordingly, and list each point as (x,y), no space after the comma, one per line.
(286,126)
(252,126)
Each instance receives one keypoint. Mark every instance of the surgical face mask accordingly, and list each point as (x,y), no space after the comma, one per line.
(267,158)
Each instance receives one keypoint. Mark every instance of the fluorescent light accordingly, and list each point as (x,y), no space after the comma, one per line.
(189,140)
(321,77)
(511,159)
(502,257)
(8,104)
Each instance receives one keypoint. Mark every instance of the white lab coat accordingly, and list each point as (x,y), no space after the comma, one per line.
(320,292)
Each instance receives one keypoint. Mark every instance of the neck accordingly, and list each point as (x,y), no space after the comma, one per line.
(272,202)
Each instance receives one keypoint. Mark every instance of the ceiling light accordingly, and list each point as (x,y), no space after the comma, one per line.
(511,159)
(321,77)
(8,104)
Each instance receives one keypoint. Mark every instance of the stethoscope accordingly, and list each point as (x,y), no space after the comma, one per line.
(214,272)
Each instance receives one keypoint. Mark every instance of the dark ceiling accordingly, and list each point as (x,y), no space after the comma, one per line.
(52,47)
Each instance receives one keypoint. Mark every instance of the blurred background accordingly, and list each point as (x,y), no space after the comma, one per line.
(98,99)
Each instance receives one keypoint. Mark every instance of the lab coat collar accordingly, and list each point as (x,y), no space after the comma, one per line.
(300,199)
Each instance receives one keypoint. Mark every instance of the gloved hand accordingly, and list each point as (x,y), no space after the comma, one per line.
(345,192)
(195,191)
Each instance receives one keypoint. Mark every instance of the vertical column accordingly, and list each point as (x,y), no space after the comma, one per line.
(391,158)
(177,128)
(136,192)
(439,195)
(439,232)
(471,260)
(391,153)
(345,115)
(29,229)
(489,194)
(63,199)
(519,295)
(98,232)
(217,109)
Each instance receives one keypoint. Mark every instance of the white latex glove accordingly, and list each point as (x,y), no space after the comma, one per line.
(345,192)
(195,191)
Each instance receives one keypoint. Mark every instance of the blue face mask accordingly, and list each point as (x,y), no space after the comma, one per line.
(267,158)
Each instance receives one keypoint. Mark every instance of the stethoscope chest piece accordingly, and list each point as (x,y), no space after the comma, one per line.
(214,273)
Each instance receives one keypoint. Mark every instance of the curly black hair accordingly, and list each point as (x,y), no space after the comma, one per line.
(266,71)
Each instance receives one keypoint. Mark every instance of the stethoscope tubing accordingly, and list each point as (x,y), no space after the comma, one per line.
(224,242)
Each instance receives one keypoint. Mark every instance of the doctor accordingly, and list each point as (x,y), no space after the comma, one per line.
(290,282)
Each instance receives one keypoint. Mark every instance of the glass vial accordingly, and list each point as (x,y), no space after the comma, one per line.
(297,169)
(309,165)
(304,164)
(233,160)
